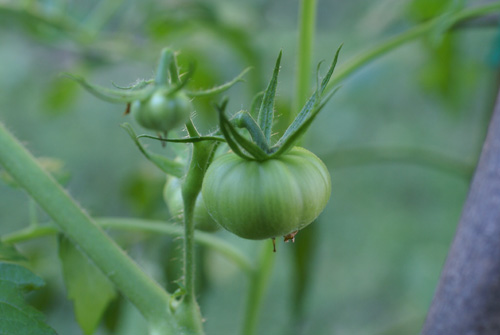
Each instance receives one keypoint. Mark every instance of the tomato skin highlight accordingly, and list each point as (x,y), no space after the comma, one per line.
(265,199)
(162,112)
(172,194)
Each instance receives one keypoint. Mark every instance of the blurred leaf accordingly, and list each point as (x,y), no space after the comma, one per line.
(422,10)
(143,191)
(16,316)
(10,253)
(87,286)
(60,96)
(438,72)
(37,23)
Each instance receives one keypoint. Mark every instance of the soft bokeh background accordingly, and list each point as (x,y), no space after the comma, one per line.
(401,139)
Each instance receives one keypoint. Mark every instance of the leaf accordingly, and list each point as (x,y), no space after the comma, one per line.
(113,96)
(218,89)
(168,166)
(10,253)
(266,112)
(16,316)
(87,286)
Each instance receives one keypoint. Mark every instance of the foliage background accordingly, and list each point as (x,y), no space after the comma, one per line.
(381,242)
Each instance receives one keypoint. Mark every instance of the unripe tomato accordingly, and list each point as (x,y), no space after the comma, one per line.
(265,199)
(162,112)
(172,194)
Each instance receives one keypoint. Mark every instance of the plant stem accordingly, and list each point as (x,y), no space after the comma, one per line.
(191,186)
(258,286)
(149,298)
(139,225)
(307,12)
(409,35)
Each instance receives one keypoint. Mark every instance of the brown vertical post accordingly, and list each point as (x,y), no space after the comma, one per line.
(467,300)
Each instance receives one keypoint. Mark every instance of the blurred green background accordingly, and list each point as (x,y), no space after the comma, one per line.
(401,139)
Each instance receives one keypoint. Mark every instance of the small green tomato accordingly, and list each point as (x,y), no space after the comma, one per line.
(172,194)
(162,112)
(265,199)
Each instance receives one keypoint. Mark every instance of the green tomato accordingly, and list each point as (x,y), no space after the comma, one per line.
(258,200)
(162,112)
(172,194)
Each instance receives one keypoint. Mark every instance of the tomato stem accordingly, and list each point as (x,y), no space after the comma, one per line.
(191,186)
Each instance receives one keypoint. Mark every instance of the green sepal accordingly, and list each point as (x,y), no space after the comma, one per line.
(329,74)
(217,89)
(229,139)
(293,136)
(17,317)
(312,107)
(266,112)
(228,128)
(114,96)
(168,166)
(185,140)
(244,120)
(140,83)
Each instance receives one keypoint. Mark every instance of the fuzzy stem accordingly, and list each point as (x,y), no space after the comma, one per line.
(191,186)
(149,298)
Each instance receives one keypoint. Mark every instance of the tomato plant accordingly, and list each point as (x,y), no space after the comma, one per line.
(263,184)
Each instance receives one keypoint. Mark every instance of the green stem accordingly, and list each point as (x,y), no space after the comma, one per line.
(149,298)
(258,286)
(139,225)
(412,34)
(164,66)
(191,186)
(307,12)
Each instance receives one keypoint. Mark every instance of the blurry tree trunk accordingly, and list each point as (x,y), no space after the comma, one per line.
(467,300)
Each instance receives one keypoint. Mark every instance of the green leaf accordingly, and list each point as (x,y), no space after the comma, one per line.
(10,253)
(114,96)
(16,316)
(168,166)
(266,112)
(87,286)
(218,89)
